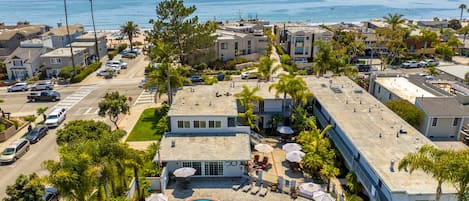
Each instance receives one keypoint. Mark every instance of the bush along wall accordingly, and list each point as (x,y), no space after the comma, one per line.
(83,73)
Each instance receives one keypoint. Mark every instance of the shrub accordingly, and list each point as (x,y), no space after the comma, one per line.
(209,80)
(122,47)
(279,49)
(66,72)
(227,77)
(231,64)
(111,54)
(85,72)
(201,66)
(137,43)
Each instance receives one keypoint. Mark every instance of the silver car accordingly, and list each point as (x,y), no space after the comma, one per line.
(14,151)
(22,86)
(42,86)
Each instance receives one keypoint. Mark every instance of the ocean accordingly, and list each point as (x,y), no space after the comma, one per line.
(110,14)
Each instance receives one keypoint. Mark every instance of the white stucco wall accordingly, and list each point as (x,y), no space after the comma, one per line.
(230,168)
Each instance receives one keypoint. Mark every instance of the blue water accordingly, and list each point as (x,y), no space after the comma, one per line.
(110,14)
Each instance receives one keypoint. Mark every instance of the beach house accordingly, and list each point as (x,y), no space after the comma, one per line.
(85,41)
(55,60)
(58,37)
(11,36)
(25,61)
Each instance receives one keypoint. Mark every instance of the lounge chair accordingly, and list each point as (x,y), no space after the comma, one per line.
(247,188)
(263,191)
(256,159)
(242,182)
(255,190)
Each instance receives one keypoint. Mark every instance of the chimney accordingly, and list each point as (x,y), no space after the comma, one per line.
(392,165)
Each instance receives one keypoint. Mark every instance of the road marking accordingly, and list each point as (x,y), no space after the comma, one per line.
(145,97)
(74,98)
(89,109)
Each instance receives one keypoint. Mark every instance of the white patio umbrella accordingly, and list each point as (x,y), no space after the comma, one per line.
(322,196)
(289,147)
(295,156)
(309,188)
(184,172)
(157,197)
(285,130)
(264,148)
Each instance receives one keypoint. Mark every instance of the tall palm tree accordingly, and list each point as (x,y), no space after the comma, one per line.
(130,29)
(324,56)
(298,91)
(247,97)
(394,20)
(69,39)
(94,29)
(464,31)
(429,159)
(457,166)
(427,36)
(282,86)
(462,7)
(266,67)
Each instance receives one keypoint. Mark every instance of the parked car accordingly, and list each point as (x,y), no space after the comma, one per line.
(22,86)
(432,62)
(14,151)
(411,64)
(37,134)
(196,78)
(363,68)
(248,75)
(46,95)
(129,55)
(55,118)
(116,68)
(122,65)
(51,194)
(42,86)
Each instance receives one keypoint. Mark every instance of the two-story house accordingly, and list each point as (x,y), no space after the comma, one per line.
(58,37)
(55,60)
(87,39)
(25,61)
(11,38)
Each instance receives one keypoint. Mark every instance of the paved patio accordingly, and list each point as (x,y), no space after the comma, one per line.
(220,188)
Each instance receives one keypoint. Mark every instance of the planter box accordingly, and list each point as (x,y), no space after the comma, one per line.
(155,183)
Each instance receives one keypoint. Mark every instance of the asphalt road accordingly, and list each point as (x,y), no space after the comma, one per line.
(81,99)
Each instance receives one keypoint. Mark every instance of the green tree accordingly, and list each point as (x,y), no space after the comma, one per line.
(445,51)
(282,87)
(353,184)
(427,35)
(394,20)
(42,111)
(299,119)
(83,130)
(266,67)
(454,24)
(462,7)
(464,31)
(432,71)
(177,25)
(430,160)
(247,97)
(407,111)
(112,105)
(323,58)
(351,71)
(329,171)
(298,91)
(130,29)
(26,187)
(457,164)
(353,197)
(66,72)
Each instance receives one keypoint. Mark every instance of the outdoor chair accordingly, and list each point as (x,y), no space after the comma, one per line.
(247,188)
(256,159)
(242,182)
(263,191)
(255,190)
(265,160)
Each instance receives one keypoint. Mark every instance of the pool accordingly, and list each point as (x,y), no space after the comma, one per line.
(202,199)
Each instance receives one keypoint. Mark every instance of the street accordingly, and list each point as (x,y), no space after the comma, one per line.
(80,100)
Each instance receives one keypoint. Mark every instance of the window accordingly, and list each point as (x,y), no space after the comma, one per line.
(231,122)
(180,124)
(249,47)
(203,124)
(211,124)
(434,121)
(298,50)
(217,124)
(214,168)
(390,96)
(187,124)
(379,89)
(456,121)
(236,46)
(196,124)
(196,165)
(17,63)
(307,38)
(55,60)
(224,46)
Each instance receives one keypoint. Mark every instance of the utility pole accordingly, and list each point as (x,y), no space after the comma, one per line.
(94,29)
(68,37)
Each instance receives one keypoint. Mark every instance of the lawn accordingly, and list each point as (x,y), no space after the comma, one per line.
(145,128)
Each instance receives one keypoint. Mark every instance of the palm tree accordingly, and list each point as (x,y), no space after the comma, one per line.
(94,29)
(351,71)
(394,20)
(266,68)
(353,185)
(329,171)
(298,91)
(462,7)
(430,160)
(457,166)
(427,36)
(130,29)
(282,86)
(69,39)
(323,58)
(250,118)
(353,197)
(247,97)
(432,71)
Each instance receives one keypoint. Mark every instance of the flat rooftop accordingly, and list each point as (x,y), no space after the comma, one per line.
(63,52)
(83,44)
(363,127)
(195,147)
(201,100)
(403,88)
(451,145)
(457,70)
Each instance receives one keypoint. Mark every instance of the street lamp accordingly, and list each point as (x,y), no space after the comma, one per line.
(94,29)
(68,37)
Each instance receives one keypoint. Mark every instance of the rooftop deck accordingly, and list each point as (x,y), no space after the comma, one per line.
(363,119)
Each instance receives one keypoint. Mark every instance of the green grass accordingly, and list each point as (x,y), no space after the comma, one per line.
(145,128)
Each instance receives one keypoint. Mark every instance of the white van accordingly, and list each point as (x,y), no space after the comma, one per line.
(14,151)
(55,118)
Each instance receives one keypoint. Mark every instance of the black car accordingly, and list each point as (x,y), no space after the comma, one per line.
(51,194)
(37,134)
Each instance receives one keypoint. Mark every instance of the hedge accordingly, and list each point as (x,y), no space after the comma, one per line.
(83,73)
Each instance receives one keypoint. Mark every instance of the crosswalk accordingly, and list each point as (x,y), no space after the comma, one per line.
(145,97)
(76,97)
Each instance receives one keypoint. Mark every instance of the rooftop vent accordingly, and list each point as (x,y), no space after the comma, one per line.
(218,94)
(173,143)
(323,85)
(391,168)
(336,90)
(358,91)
